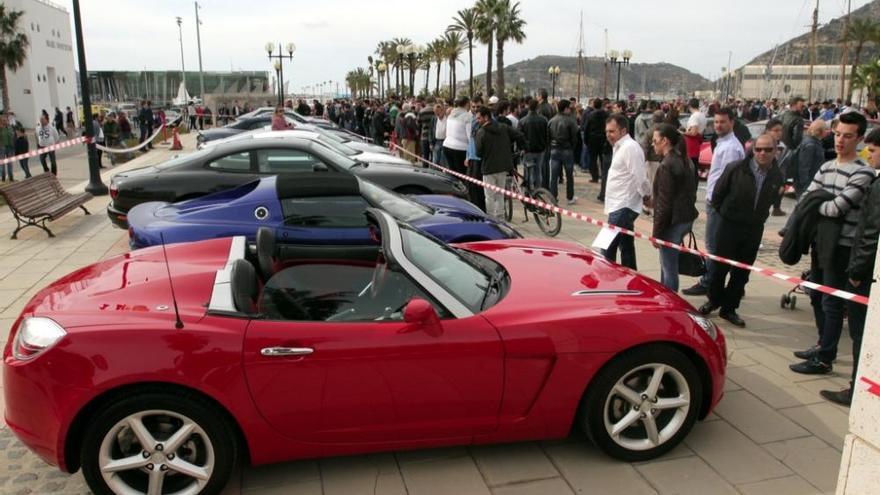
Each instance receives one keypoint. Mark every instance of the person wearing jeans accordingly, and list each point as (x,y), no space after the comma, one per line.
(493,144)
(532,169)
(47,136)
(626,189)
(562,159)
(674,192)
(563,138)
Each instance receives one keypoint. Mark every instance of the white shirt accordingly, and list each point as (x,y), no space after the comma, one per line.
(458,130)
(514,122)
(47,135)
(440,129)
(627,177)
(698,120)
(728,149)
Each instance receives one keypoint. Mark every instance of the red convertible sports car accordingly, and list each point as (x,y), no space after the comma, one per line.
(157,371)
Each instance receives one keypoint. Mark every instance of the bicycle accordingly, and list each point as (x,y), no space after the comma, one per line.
(548,221)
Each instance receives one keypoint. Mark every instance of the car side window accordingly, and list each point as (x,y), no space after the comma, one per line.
(327,212)
(260,123)
(340,292)
(285,160)
(236,162)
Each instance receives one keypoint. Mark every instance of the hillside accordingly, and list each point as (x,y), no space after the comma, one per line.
(634,78)
(828,49)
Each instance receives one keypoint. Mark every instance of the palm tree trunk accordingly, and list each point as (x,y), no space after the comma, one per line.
(5,85)
(489,70)
(437,90)
(427,76)
(852,71)
(471,63)
(499,67)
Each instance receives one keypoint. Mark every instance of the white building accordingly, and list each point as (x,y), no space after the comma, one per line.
(48,77)
(786,81)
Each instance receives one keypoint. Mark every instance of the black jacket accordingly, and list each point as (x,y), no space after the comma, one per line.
(734,194)
(675,194)
(563,131)
(535,130)
(595,132)
(792,129)
(801,230)
(807,159)
(864,250)
(494,147)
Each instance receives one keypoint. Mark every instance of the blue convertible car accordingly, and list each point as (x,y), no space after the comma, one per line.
(317,209)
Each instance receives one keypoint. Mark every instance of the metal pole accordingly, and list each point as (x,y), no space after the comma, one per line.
(182,65)
(95,186)
(199,43)
(727,93)
(619,66)
(280,75)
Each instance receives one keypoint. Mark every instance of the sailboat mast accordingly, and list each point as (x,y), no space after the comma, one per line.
(813,52)
(843,59)
(580,62)
(605,75)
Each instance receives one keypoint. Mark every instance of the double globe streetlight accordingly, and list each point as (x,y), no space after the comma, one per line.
(619,59)
(278,64)
(554,78)
(411,51)
(382,68)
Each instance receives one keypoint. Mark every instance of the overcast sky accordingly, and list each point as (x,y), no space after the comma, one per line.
(334,36)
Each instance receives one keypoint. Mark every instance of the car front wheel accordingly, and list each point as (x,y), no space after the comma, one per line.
(157,443)
(643,403)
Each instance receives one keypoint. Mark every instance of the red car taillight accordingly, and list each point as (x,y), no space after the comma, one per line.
(114,191)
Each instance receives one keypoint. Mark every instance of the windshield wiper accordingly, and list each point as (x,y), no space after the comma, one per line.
(494,286)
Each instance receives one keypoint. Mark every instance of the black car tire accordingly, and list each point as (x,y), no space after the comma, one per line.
(210,421)
(602,399)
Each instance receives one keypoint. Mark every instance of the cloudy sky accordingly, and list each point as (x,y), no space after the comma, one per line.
(334,36)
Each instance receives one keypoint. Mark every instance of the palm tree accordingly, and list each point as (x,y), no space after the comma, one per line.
(437,53)
(861,31)
(454,46)
(509,27)
(13,48)
(465,22)
(388,53)
(867,77)
(487,15)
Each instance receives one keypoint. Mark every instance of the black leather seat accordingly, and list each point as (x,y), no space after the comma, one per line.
(266,252)
(245,286)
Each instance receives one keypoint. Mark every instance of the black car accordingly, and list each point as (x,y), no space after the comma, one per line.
(232,164)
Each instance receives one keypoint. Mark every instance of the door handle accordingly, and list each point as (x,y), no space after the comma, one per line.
(286,351)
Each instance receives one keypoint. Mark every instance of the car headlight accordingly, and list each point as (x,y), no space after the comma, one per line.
(35,335)
(508,231)
(705,324)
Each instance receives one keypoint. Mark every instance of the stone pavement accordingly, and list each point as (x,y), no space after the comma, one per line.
(771,434)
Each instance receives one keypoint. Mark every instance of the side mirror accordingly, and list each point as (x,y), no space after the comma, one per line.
(319,167)
(421,315)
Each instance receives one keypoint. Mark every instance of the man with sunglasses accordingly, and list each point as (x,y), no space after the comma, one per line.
(742,197)
(847,178)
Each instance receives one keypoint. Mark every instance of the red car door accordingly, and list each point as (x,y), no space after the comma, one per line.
(375,381)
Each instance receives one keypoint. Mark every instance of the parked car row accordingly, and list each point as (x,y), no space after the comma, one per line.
(285,300)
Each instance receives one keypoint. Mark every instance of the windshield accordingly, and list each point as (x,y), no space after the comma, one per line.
(398,206)
(181,159)
(462,279)
(336,146)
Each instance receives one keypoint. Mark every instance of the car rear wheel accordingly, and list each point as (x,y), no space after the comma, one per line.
(155,443)
(643,403)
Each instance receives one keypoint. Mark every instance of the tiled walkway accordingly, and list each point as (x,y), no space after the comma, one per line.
(771,434)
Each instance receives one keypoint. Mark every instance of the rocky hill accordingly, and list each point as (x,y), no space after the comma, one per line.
(828,48)
(634,78)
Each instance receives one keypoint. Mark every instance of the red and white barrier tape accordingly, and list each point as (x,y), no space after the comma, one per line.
(133,148)
(40,151)
(849,296)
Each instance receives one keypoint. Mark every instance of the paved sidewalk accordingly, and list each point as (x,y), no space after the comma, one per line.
(771,434)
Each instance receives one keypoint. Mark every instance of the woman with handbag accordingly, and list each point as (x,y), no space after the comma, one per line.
(675,196)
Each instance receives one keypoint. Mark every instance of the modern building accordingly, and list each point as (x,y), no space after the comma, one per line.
(48,77)
(785,81)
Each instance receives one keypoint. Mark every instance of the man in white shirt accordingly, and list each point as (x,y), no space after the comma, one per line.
(626,189)
(728,150)
(47,135)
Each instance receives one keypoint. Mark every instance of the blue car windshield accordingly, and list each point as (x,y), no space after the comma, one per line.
(398,206)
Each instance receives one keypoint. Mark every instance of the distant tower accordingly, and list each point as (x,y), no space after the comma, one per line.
(581,63)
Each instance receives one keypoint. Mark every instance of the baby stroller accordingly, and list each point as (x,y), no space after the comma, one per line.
(789,299)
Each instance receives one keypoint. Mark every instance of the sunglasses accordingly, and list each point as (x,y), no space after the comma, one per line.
(764,150)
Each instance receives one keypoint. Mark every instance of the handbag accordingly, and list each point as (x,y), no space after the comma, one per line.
(692,265)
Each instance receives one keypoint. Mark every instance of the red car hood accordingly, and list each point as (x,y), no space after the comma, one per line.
(567,279)
(135,286)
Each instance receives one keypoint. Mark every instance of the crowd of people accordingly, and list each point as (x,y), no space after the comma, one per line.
(646,161)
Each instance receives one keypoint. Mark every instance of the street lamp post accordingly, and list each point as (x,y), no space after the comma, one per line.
(95,186)
(400,49)
(382,68)
(199,44)
(412,52)
(270,48)
(619,59)
(277,65)
(182,65)
(554,78)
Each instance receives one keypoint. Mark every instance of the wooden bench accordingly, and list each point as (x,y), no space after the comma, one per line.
(40,199)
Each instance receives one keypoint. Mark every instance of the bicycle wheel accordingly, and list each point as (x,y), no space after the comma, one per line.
(549,222)
(511,185)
